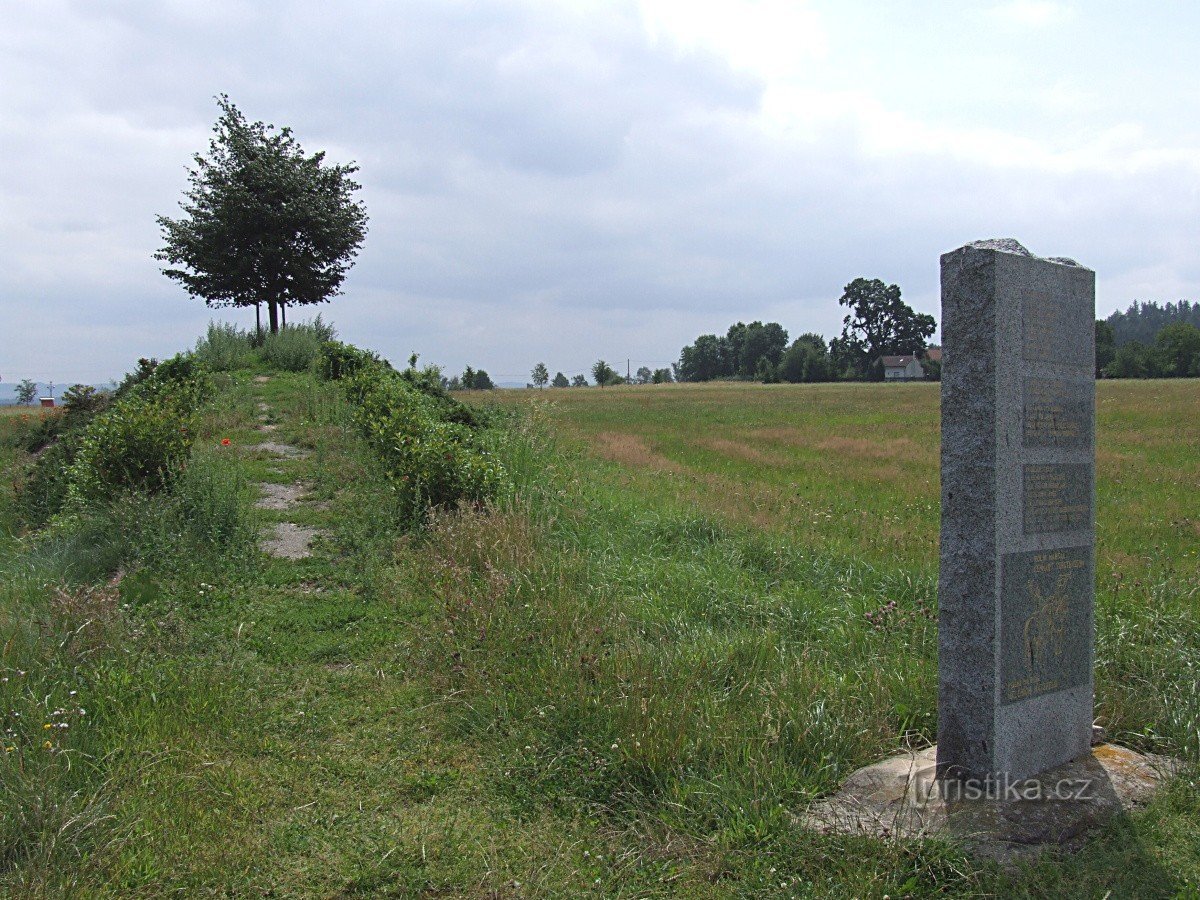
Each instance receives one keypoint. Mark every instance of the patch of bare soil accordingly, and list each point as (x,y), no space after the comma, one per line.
(631,450)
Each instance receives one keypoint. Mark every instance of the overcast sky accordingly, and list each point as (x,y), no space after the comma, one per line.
(568,181)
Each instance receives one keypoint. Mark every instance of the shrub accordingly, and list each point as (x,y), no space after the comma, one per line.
(295,348)
(142,441)
(424,437)
(83,398)
(137,446)
(338,360)
(145,368)
(225,347)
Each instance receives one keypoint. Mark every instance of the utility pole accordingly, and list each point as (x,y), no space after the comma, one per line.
(628,380)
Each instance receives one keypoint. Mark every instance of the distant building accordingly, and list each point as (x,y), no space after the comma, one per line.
(934,354)
(47,401)
(898,368)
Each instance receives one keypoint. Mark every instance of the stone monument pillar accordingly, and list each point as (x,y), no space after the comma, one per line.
(1017,583)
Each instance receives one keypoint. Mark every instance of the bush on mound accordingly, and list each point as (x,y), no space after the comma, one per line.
(426,439)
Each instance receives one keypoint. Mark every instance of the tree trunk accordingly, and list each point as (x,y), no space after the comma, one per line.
(273,315)
(258,320)
(283,315)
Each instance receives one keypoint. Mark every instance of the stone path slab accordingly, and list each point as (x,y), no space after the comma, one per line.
(287,451)
(290,541)
(280,496)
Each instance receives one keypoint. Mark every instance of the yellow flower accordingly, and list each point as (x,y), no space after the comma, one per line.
(48,745)
(47,725)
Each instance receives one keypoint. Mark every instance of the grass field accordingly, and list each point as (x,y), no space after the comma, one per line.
(624,680)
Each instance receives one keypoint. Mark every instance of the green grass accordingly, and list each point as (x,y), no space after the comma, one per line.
(624,681)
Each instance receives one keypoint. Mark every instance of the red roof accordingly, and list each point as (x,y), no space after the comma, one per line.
(897,361)
(934,354)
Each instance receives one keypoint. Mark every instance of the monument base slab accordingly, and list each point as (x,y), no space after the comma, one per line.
(901,798)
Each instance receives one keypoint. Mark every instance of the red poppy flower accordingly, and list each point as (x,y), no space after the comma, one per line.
(225,442)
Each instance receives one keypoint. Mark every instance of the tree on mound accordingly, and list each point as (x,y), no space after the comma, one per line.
(263,223)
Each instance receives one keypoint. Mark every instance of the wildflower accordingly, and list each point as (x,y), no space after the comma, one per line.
(225,442)
(48,745)
(47,725)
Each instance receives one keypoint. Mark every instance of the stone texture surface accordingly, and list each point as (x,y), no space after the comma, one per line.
(287,451)
(902,798)
(280,496)
(290,541)
(1017,391)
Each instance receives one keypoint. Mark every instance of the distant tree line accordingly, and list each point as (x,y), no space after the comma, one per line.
(1173,353)
(878,323)
(1143,321)
(470,380)
(603,374)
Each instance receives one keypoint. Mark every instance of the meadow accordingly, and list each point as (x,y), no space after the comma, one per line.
(695,609)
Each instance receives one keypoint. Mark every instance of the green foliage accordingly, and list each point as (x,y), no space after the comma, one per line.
(662,376)
(338,360)
(425,439)
(143,441)
(879,324)
(263,222)
(560,380)
(603,374)
(1175,353)
(83,398)
(750,344)
(27,391)
(579,380)
(540,375)
(1132,360)
(807,360)
(766,373)
(1143,321)
(1178,349)
(736,355)
(225,347)
(145,368)
(1106,346)
(932,368)
(296,347)
(140,445)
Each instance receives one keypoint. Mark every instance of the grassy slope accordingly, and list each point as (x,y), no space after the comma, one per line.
(622,682)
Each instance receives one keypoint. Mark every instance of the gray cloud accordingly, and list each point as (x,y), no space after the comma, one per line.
(542,184)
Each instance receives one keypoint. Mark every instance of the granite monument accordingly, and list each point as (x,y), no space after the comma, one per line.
(1016,588)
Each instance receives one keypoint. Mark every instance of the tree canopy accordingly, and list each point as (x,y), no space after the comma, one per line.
(879,324)
(27,391)
(604,374)
(263,222)
(1143,321)
(740,353)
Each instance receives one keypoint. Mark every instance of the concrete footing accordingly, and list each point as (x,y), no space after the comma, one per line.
(901,798)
